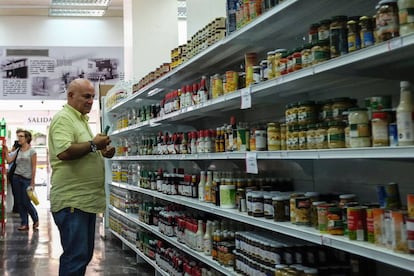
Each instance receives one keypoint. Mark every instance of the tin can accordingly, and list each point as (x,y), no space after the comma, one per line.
(323,217)
(393,134)
(356,222)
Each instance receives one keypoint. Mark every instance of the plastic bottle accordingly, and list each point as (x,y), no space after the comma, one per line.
(201,186)
(405,125)
(2,128)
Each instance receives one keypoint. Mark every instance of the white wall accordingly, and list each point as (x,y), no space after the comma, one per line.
(51,31)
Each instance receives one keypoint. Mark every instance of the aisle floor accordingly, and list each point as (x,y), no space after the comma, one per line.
(37,252)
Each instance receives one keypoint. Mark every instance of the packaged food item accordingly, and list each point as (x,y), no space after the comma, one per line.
(354,40)
(406,16)
(273,136)
(367,31)
(336,135)
(410,205)
(387,22)
(379,127)
(399,231)
(338,36)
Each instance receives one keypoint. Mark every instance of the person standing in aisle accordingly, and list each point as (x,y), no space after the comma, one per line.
(24,178)
(78,192)
(15,148)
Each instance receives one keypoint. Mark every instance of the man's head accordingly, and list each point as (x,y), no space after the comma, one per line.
(81,93)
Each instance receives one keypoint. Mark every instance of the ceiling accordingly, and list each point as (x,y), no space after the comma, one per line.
(41,8)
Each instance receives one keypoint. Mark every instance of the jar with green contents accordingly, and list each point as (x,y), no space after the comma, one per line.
(321,136)
(336,135)
(320,51)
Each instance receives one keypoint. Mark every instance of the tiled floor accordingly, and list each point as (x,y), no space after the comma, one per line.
(37,252)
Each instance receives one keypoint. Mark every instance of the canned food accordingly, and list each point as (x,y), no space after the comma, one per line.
(356,223)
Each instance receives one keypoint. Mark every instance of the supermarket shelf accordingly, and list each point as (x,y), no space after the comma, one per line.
(173,241)
(139,253)
(343,153)
(364,249)
(280,22)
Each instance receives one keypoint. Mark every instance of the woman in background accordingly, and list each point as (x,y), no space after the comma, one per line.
(23,178)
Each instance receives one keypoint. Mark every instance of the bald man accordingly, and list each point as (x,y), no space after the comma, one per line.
(78,189)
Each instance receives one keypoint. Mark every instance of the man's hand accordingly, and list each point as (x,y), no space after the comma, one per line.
(108,152)
(101,141)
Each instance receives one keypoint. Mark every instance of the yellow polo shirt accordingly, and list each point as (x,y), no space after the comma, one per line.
(75,183)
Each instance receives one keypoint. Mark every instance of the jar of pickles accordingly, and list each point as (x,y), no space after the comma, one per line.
(336,135)
(311,136)
(321,136)
(291,114)
(359,132)
(306,54)
(320,51)
(292,138)
(302,137)
(339,108)
(306,112)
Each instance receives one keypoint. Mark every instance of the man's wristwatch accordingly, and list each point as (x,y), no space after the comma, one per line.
(94,148)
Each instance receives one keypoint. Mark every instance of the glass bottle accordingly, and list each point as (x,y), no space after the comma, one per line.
(200,236)
(201,186)
(404,116)
(207,187)
(208,243)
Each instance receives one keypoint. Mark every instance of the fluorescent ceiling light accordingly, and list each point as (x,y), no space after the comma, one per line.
(75,12)
(90,3)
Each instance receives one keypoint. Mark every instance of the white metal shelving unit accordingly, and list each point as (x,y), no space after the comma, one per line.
(158,269)
(173,241)
(357,68)
(365,249)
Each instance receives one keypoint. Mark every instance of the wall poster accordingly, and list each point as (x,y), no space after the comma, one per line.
(44,73)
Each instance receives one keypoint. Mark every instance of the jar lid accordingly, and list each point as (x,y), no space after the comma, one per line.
(280,51)
(351,22)
(270,53)
(365,17)
(379,115)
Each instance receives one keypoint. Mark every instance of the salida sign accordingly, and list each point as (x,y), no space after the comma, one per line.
(39,120)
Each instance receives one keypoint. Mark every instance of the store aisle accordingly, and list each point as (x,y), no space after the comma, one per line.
(37,252)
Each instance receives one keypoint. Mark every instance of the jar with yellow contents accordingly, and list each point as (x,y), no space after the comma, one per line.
(321,136)
(292,138)
(273,136)
(302,137)
(336,135)
(311,136)
(283,130)
(291,114)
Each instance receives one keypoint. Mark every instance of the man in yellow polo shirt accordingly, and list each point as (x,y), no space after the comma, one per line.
(78,191)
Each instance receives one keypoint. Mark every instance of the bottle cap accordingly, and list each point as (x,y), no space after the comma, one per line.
(405,84)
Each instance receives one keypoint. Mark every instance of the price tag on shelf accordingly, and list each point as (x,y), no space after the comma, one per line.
(251,163)
(326,240)
(246,98)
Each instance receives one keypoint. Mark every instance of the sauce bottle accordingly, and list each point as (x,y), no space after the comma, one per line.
(404,116)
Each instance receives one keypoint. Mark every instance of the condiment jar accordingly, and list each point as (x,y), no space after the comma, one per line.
(379,126)
(281,208)
(338,36)
(359,132)
(261,139)
(313,33)
(273,136)
(270,65)
(354,40)
(306,113)
(291,114)
(302,137)
(366,31)
(387,22)
(283,130)
(292,138)
(306,55)
(326,113)
(323,30)
(311,136)
(320,51)
(339,107)
(321,136)
(336,135)
(405,11)
(278,53)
